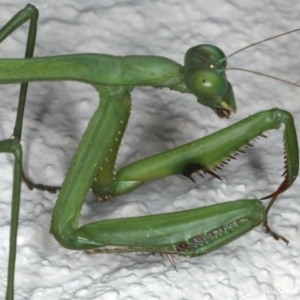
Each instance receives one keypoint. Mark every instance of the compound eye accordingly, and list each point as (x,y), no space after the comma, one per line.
(209,84)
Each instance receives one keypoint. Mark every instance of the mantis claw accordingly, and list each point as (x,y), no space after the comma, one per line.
(210,172)
(191,168)
(275,235)
(171,260)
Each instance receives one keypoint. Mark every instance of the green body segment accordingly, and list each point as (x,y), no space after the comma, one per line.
(212,150)
(87,160)
(104,182)
(99,69)
(189,233)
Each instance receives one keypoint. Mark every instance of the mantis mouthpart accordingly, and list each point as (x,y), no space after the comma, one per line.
(188,233)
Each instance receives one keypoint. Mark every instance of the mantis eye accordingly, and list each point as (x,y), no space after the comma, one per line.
(209,84)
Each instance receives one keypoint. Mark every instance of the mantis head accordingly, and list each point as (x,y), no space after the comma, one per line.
(205,77)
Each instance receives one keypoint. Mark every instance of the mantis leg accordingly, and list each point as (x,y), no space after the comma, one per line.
(29,13)
(200,155)
(196,158)
(13,146)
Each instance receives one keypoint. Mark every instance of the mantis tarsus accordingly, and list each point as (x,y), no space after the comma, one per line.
(189,233)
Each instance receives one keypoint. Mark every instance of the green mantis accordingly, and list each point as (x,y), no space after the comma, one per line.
(188,233)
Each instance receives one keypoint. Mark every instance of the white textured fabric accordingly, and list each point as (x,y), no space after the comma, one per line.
(252,267)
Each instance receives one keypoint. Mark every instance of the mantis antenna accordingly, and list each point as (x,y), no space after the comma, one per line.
(262,41)
(258,73)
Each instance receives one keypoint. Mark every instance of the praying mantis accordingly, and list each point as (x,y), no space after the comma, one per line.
(186,169)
